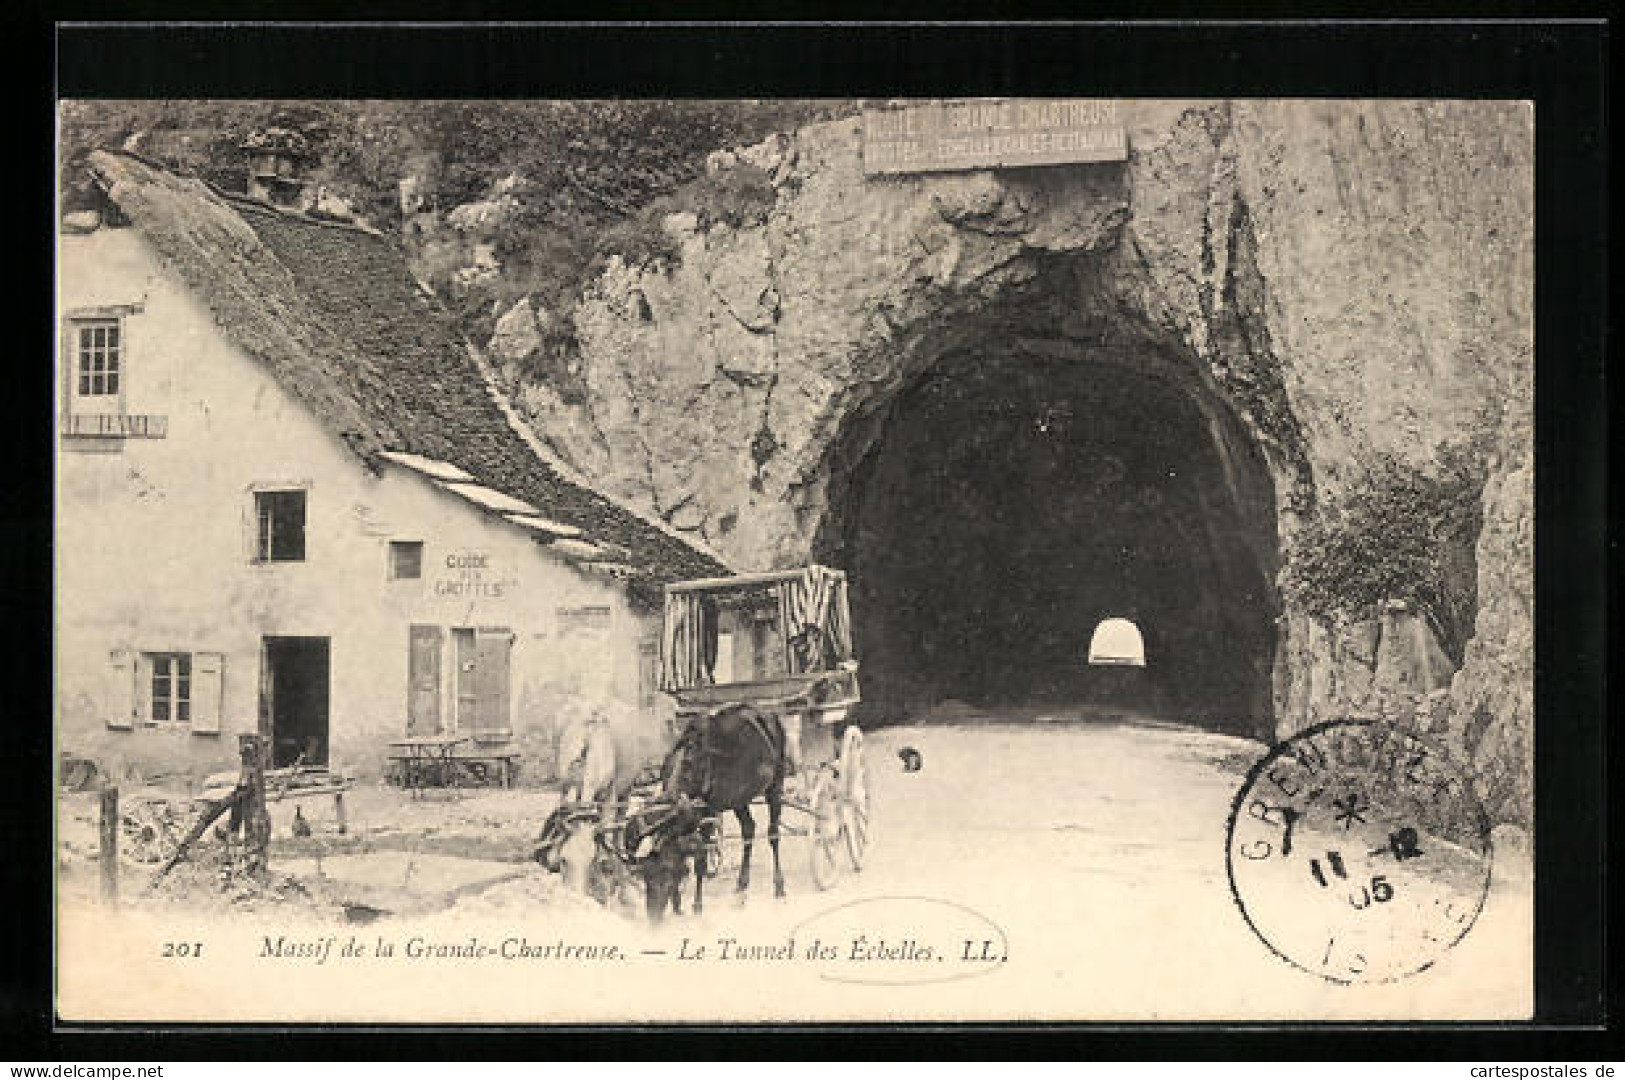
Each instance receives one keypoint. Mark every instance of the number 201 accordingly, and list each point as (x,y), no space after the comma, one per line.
(183,949)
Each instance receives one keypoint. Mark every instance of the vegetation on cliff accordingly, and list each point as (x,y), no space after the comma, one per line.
(588,163)
(578,180)
(1399,533)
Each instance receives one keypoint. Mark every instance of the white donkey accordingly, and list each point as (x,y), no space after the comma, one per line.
(600,761)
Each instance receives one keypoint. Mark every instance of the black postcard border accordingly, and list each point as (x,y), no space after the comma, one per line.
(1559,64)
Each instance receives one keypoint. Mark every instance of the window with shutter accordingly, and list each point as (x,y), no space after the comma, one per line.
(164,688)
(171,678)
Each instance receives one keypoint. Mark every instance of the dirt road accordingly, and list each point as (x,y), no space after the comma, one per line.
(1099,850)
(1026,872)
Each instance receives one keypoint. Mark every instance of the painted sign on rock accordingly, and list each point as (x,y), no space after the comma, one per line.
(946,136)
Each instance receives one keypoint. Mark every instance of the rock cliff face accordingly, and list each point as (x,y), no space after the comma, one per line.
(1491,719)
(1281,289)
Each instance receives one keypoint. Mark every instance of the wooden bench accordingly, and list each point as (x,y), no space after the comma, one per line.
(289,783)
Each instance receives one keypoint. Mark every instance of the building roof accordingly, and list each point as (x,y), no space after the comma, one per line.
(334,313)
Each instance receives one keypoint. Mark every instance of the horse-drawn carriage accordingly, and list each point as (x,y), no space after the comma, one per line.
(763,674)
(780,642)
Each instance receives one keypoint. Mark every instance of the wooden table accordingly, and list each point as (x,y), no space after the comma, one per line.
(428,761)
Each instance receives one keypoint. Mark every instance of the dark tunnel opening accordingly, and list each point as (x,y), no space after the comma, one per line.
(1003,507)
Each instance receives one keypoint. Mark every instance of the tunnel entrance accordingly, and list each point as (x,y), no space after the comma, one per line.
(1000,507)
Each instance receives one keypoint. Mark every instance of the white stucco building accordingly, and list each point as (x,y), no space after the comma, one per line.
(290,500)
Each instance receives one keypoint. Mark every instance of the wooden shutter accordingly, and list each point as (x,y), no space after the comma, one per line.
(492,654)
(296,510)
(463,681)
(423,680)
(208,692)
(143,689)
(249,521)
(119,706)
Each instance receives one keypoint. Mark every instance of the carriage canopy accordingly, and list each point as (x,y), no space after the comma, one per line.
(755,628)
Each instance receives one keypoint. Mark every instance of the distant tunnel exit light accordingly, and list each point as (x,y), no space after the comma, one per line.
(1117,642)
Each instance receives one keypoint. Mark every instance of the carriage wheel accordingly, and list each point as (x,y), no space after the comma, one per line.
(149,833)
(824,807)
(854,797)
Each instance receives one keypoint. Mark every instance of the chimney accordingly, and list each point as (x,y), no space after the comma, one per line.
(274,157)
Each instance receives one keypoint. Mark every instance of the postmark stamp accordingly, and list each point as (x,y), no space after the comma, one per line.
(1358,852)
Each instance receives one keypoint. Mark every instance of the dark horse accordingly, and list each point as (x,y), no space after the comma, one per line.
(721,762)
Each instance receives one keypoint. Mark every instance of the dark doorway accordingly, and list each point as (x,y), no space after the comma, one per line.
(294,676)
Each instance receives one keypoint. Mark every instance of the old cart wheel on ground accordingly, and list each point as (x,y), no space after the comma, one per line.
(854,797)
(824,833)
(150,830)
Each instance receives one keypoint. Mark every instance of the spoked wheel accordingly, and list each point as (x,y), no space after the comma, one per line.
(149,832)
(854,797)
(824,806)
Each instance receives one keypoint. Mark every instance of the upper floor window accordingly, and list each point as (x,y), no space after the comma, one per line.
(95,369)
(405,559)
(97,356)
(280,535)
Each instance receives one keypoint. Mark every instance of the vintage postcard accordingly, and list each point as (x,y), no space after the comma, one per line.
(649,561)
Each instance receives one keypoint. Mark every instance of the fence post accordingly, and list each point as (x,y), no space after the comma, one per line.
(109,843)
(256,820)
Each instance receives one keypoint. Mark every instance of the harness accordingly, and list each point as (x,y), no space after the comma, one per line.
(697,741)
(577,766)
(755,719)
(657,813)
